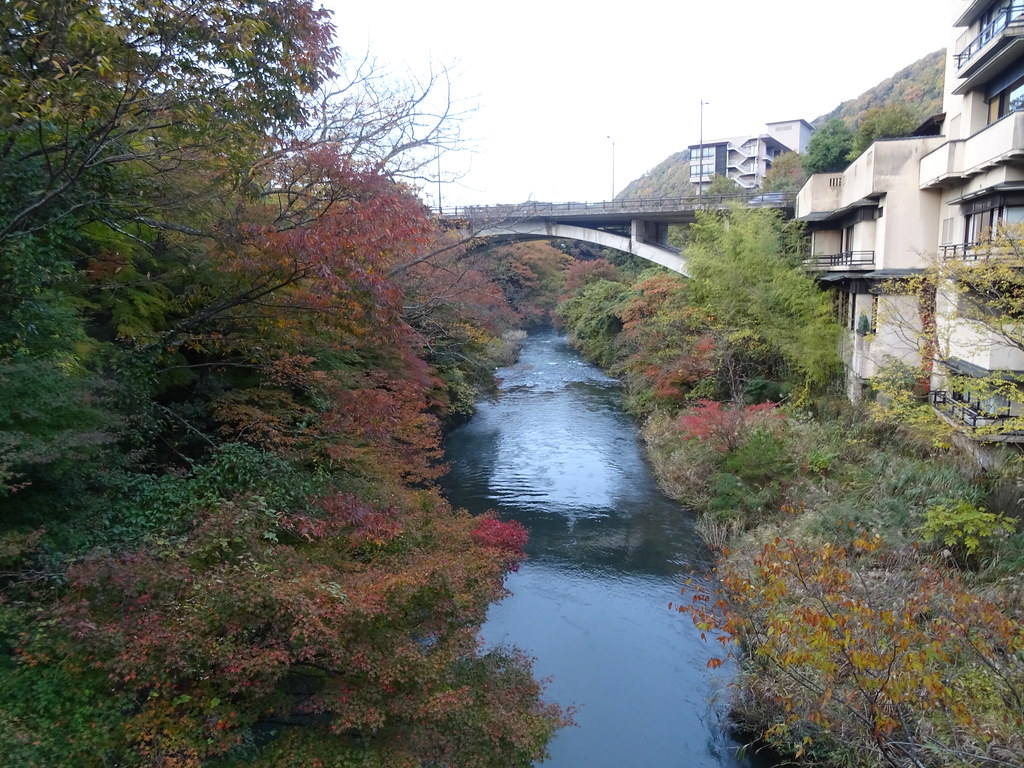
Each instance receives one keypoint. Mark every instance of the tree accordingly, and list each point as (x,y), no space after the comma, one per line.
(90,87)
(890,121)
(221,543)
(787,174)
(967,307)
(722,185)
(829,148)
(768,318)
(581,273)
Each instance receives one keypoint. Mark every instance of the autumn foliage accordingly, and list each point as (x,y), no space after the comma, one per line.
(848,648)
(725,427)
(221,423)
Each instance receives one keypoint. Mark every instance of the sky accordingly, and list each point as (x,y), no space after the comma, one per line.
(569,100)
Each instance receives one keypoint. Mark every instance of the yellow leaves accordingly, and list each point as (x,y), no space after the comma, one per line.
(866,545)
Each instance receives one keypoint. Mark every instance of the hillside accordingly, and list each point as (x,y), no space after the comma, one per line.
(918,85)
(668,178)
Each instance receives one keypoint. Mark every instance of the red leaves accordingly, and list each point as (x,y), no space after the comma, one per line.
(725,428)
(507,537)
(510,535)
(383,430)
(347,515)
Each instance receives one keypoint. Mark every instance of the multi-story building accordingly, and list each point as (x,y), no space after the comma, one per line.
(746,159)
(906,202)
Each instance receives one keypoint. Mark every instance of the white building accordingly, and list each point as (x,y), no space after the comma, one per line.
(905,202)
(746,159)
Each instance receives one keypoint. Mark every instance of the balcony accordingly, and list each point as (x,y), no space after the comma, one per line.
(844,260)
(988,33)
(997,44)
(993,426)
(1000,143)
(961,252)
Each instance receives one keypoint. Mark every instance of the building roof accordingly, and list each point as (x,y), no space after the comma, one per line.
(838,213)
(931,126)
(970,369)
(783,122)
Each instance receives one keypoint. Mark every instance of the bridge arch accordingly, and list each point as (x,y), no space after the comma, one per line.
(534,229)
(636,226)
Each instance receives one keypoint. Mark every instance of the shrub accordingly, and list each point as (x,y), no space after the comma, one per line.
(967,530)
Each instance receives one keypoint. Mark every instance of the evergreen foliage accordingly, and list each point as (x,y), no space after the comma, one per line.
(829,149)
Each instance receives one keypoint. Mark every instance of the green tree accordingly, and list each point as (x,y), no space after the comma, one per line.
(722,185)
(888,122)
(787,174)
(829,148)
(769,318)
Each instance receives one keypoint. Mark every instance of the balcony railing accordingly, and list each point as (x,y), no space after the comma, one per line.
(964,412)
(988,32)
(960,251)
(852,259)
(978,251)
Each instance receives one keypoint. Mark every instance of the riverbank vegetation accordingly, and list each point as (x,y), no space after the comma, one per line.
(229,336)
(872,577)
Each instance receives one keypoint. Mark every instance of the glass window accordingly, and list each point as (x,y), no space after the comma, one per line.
(1015,97)
(1006,101)
(1014,214)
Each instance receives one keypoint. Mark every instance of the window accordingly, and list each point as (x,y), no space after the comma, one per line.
(986,217)
(696,171)
(1010,99)
(1013,214)
(841,307)
(978,226)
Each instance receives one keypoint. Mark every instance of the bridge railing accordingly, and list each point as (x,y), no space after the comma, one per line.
(641,205)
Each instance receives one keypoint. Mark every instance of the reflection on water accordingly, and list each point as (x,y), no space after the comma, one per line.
(607,553)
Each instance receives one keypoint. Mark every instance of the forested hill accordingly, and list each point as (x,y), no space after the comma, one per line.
(919,86)
(668,178)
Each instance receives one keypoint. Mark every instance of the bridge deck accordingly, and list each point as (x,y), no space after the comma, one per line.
(663,209)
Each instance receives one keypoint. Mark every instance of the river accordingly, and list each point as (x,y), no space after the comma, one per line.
(608,552)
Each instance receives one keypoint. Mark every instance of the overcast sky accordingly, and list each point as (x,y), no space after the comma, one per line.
(549,81)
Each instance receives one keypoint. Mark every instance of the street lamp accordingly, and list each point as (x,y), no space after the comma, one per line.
(613,165)
(439,181)
(700,154)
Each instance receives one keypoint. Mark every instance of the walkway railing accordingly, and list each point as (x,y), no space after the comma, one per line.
(752,198)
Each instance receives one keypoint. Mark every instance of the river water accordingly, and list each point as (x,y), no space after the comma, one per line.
(608,552)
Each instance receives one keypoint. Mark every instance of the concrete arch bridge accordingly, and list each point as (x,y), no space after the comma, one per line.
(639,226)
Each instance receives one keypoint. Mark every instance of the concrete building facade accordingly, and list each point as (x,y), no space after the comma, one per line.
(746,159)
(907,203)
